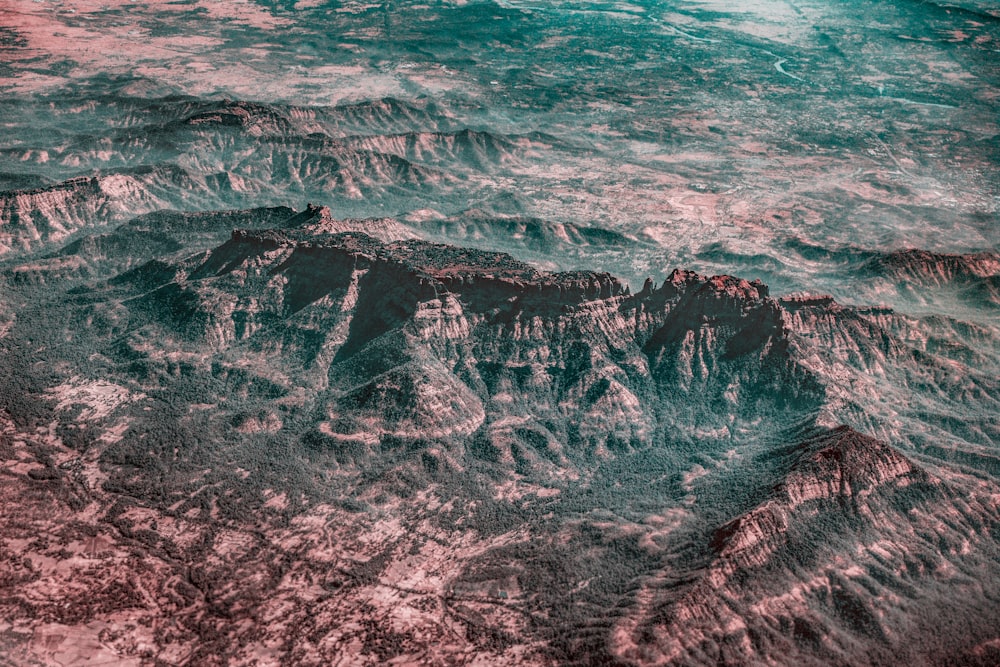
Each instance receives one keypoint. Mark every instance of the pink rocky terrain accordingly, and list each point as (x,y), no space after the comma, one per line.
(464,409)
(320,446)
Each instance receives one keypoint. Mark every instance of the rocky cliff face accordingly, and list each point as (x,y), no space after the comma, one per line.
(29,218)
(698,357)
(531,359)
(438,417)
(972,278)
(550,464)
(835,551)
(873,357)
(34,219)
(159,234)
(921,267)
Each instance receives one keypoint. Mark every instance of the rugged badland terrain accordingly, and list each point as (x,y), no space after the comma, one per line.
(578,357)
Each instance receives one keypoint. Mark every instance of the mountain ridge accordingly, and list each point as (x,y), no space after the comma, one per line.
(347,375)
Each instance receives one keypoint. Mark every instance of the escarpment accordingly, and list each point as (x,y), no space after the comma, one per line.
(972,279)
(840,466)
(833,551)
(29,218)
(33,219)
(929,268)
(662,471)
(570,357)
(439,415)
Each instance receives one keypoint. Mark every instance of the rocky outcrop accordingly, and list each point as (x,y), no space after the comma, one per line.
(320,220)
(847,465)
(526,358)
(388,115)
(695,357)
(842,466)
(835,551)
(383,116)
(332,166)
(526,234)
(973,278)
(31,219)
(211,155)
(255,119)
(155,234)
(872,358)
(622,447)
(928,268)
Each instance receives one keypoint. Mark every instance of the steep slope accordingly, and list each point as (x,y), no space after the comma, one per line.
(964,285)
(525,234)
(185,154)
(556,468)
(156,234)
(898,376)
(331,437)
(483,151)
(569,358)
(972,278)
(702,358)
(32,219)
(841,563)
(919,267)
